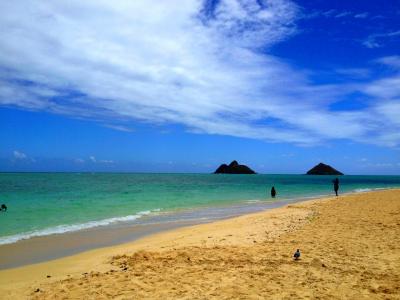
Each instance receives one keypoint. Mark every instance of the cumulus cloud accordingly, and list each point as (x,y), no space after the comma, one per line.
(202,64)
(92,159)
(19,155)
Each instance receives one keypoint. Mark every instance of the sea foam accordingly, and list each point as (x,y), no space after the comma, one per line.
(369,190)
(362,190)
(73,227)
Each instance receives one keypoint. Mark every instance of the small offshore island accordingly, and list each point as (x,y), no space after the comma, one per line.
(234,168)
(323,169)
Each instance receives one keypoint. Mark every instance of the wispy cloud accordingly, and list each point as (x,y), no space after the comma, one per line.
(383,165)
(377,40)
(94,160)
(334,13)
(180,62)
(330,13)
(391,61)
(106,161)
(361,15)
(343,14)
(354,72)
(118,127)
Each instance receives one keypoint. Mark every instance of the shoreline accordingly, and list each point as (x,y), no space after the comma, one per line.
(55,246)
(119,209)
(348,224)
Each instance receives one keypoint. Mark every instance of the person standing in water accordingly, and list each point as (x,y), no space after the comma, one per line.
(336,185)
(273,192)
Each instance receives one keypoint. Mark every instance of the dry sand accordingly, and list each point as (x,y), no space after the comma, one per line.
(350,250)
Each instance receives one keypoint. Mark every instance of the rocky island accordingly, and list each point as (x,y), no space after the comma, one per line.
(323,169)
(234,168)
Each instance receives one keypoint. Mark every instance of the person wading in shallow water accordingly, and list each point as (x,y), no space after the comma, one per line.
(273,192)
(3,207)
(336,185)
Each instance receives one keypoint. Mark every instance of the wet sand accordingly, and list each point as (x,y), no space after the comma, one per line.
(45,248)
(50,247)
(350,250)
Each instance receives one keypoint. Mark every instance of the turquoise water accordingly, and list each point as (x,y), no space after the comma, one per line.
(47,203)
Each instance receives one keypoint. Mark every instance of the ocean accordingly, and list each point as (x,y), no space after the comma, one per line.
(53,203)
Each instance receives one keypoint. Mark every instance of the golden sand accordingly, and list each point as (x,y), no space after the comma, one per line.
(350,249)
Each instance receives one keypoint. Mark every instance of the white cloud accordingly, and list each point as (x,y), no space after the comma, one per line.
(330,13)
(173,62)
(383,165)
(19,155)
(391,61)
(354,72)
(333,13)
(384,88)
(105,161)
(93,159)
(390,110)
(118,127)
(377,40)
(343,14)
(371,42)
(361,15)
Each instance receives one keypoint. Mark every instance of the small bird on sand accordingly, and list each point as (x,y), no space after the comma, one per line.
(297,254)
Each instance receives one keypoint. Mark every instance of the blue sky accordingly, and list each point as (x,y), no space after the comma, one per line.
(172,86)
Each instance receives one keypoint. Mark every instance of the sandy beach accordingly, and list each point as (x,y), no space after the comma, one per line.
(350,249)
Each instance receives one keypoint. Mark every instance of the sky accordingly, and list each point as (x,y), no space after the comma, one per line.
(183,86)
